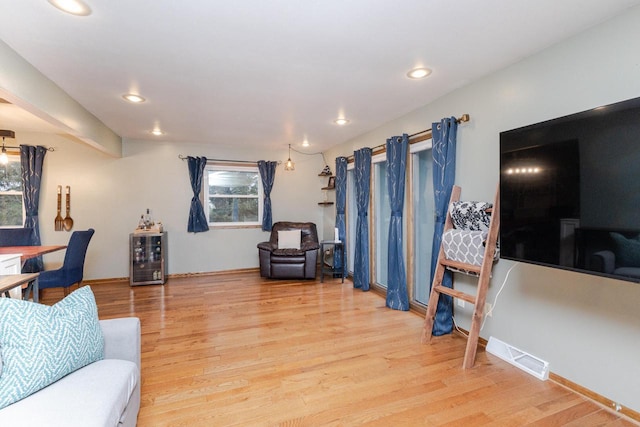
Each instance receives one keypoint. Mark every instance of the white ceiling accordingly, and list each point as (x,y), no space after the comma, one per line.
(271,73)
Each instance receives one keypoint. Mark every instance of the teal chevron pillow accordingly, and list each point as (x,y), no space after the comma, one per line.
(41,344)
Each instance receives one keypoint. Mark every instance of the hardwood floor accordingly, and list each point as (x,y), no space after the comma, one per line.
(238,350)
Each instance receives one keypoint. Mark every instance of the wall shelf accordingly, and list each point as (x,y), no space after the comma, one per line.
(331,185)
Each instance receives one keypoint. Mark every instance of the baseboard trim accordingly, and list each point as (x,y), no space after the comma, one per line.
(607,403)
(214,273)
(102,281)
(170,276)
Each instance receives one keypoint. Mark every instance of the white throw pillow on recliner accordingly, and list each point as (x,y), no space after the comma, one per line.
(289,239)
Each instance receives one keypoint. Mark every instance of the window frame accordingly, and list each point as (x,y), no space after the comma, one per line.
(15,158)
(232,167)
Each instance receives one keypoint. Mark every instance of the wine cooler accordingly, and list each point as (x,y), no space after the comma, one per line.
(148,258)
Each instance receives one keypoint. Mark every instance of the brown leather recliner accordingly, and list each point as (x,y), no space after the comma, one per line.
(278,263)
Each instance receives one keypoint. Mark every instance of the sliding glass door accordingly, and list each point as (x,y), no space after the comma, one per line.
(381,219)
(422,205)
(352,216)
(423,214)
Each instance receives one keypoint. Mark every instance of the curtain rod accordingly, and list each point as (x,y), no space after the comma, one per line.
(181,157)
(461,119)
(13,147)
(6,133)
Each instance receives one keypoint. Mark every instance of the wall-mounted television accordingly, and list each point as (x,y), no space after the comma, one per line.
(570,192)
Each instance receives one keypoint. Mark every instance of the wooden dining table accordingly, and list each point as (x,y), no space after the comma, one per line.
(26,252)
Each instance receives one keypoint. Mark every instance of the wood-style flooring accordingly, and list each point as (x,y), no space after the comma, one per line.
(238,350)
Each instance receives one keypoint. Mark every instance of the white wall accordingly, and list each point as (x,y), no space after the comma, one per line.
(587,327)
(110,194)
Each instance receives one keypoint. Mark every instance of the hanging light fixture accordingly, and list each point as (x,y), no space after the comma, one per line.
(289,166)
(4,159)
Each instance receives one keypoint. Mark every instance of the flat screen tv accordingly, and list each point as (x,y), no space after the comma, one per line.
(570,192)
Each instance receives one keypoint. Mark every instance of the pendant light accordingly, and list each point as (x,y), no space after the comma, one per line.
(289,166)
(4,159)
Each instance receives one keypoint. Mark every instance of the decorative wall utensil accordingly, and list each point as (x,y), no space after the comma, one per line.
(68,222)
(58,222)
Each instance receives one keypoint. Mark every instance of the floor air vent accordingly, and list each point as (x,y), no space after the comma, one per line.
(518,358)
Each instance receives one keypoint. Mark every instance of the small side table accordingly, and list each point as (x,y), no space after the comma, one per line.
(337,247)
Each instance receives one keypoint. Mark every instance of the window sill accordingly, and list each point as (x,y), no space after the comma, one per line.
(238,226)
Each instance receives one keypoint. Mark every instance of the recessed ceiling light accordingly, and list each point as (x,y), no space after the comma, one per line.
(418,73)
(74,7)
(341,121)
(305,143)
(157,132)
(132,97)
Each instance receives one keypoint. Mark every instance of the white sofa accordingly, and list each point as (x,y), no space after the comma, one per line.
(103,393)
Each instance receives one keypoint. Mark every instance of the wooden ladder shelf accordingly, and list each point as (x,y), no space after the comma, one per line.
(484,274)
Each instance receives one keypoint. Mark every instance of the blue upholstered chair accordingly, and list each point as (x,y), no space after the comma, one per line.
(23,236)
(72,269)
(17,236)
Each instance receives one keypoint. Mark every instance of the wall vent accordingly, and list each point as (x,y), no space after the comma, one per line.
(518,358)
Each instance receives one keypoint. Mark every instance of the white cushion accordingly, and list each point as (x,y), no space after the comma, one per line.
(93,396)
(289,239)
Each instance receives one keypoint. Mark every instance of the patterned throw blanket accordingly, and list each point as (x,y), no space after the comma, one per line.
(467,240)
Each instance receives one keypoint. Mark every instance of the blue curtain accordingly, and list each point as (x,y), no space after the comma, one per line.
(397,296)
(361,257)
(31,160)
(341,206)
(444,171)
(268,176)
(197,218)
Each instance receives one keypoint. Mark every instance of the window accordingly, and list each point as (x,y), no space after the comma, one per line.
(233,195)
(11,208)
